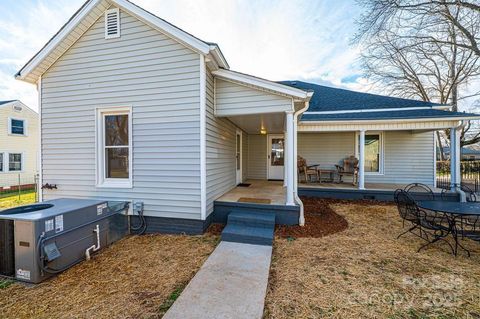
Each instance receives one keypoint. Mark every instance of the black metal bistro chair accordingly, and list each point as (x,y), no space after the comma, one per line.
(419,191)
(432,226)
(408,211)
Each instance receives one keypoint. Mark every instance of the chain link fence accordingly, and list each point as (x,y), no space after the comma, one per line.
(18,189)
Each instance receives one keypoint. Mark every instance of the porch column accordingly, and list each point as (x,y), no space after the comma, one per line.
(455,174)
(361,161)
(289,156)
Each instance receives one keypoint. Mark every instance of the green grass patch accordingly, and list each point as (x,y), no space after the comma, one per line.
(171,299)
(14,199)
(4,283)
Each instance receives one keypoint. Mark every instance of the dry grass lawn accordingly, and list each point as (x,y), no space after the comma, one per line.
(134,278)
(365,272)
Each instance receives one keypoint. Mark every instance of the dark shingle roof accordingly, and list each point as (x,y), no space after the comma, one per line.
(5,102)
(386,115)
(332,99)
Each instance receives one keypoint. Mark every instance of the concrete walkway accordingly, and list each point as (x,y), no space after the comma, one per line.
(231,284)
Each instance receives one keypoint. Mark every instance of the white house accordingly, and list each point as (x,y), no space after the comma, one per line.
(18,145)
(134,108)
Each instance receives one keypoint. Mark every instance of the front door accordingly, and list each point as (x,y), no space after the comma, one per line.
(276,156)
(238,157)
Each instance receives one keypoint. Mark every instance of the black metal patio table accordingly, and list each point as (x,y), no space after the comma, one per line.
(453,211)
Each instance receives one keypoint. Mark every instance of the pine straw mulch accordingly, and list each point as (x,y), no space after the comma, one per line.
(132,278)
(365,272)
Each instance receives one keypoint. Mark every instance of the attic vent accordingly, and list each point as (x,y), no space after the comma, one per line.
(17,108)
(112,23)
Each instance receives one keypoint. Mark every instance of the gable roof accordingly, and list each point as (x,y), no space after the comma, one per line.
(254,81)
(6,102)
(16,102)
(86,16)
(327,99)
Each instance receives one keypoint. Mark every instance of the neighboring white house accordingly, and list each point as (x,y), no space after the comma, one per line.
(18,145)
(134,108)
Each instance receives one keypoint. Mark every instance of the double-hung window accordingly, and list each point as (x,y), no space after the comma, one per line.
(15,162)
(114,147)
(16,126)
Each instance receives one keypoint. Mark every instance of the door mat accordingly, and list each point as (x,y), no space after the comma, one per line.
(244,185)
(254,200)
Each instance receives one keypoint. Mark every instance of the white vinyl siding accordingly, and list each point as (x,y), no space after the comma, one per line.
(159,79)
(257,156)
(235,99)
(220,143)
(408,156)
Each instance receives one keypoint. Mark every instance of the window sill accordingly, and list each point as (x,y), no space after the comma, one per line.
(115,184)
(13,134)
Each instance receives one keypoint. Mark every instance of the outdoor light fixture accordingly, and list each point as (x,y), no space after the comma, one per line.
(263,131)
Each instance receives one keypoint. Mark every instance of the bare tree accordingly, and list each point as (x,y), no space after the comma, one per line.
(417,50)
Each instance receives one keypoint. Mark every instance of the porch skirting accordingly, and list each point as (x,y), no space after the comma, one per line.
(353,194)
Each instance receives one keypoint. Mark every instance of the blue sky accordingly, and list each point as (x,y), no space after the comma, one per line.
(274,39)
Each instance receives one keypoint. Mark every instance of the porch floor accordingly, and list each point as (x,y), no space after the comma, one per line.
(258,189)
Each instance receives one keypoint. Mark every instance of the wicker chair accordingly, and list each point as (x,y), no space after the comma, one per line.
(307,171)
(349,168)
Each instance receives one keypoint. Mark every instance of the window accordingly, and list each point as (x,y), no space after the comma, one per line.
(373,152)
(1,162)
(112,23)
(16,126)
(114,158)
(14,162)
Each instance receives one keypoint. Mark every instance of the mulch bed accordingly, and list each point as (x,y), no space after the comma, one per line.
(320,220)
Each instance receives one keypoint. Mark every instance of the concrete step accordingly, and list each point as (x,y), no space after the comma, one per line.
(251,218)
(248,234)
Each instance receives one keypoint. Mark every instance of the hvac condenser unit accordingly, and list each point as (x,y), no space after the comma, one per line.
(40,240)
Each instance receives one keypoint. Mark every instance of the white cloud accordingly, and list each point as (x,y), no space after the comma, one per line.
(278,40)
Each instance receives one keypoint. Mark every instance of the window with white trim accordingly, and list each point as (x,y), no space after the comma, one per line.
(374,153)
(16,126)
(114,153)
(1,162)
(112,23)
(15,162)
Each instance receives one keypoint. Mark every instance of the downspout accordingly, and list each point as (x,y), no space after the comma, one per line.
(301,220)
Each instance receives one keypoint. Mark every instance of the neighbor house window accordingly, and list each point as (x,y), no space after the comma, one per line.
(373,152)
(16,126)
(1,162)
(114,152)
(15,162)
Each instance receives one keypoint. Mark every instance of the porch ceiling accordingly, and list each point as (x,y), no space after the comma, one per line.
(272,123)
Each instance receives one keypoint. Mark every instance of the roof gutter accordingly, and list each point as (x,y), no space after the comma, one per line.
(413,120)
